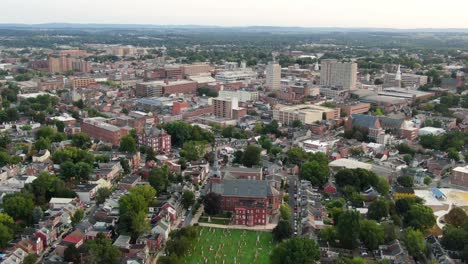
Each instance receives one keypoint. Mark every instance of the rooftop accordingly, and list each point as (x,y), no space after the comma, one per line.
(245,188)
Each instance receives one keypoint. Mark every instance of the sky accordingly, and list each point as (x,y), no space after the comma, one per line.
(303,13)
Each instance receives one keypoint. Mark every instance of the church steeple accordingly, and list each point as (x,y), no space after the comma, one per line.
(398,77)
(215,169)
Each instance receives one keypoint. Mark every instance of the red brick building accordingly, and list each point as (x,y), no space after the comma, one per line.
(177,107)
(97,128)
(155,138)
(251,202)
(192,113)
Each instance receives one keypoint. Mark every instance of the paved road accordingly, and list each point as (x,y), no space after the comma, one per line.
(293,181)
(188,219)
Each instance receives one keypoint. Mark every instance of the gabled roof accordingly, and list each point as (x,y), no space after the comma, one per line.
(364,120)
(388,122)
(245,188)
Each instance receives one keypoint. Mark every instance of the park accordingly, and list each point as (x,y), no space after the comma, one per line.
(216,245)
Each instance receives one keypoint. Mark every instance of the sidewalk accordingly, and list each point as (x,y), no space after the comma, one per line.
(265,228)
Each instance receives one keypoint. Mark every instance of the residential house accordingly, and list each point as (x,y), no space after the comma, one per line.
(76,238)
(163,228)
(86,192)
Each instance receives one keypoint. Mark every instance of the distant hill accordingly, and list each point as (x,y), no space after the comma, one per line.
(210,27)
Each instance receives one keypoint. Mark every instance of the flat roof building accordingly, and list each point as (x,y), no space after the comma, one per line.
(307,114)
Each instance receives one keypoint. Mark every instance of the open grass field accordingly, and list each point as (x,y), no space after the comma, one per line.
(215,245)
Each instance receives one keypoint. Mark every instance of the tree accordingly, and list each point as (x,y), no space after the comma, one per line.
(81,140)
(212,203)
(453,154)
(251,156)
(407,158)
(238,157)
(128,144)
(147,191)
(282,230)
(77,217)
(6,229)
(313,172)
(30,259)
(454,238)
(60,125)
(42,143)
(456,217)
(405,181)
(132,210)
(389,232)
(415,243)
(5,140)
(285,212)
(82,170)
(102,194)
(37,214)
(328,234)
(295,250)
(371,234)
(296,155)
(348,229)
(188,199)
(427,180)
(19,206)
(125,165)
(159,178)
(419,217)
(297,123)
(193,150)
(101,250)
(378,209)
(71,254)
(45,132)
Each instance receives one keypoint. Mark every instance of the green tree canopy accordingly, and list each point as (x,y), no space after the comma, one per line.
(128,144)
(188,199)
(378,209)
(371,234)
(348,229)
(251,156)
(415,243)
(101,250)
(282,230)
(81,140)
(212,203)
(295,250)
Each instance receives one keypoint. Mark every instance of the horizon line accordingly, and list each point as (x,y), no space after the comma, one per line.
(222,26)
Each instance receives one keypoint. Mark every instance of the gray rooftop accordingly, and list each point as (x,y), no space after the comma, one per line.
(244,188)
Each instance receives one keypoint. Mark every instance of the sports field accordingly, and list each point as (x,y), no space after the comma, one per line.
(220,246)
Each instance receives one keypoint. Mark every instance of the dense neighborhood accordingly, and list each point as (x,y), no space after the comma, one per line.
(304,153)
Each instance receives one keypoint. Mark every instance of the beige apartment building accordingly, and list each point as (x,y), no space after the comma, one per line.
(273,76)
(338,74)
(223,107)
(307,114)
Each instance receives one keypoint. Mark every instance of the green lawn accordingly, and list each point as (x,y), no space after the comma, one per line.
(225,245)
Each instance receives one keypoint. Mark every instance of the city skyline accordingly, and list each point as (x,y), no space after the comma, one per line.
(397,14)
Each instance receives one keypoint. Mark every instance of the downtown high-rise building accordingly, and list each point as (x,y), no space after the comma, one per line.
(273,76)
(336,74)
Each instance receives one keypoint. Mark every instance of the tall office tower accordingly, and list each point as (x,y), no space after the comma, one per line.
(273,76)
(338,74)
(398,77)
